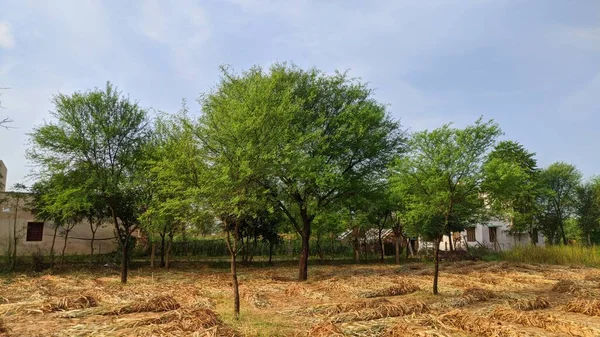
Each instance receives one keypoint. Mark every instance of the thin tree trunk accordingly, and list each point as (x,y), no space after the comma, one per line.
(169,246)
(125,261)
(124,239)
(397,249)
(303,265)
(437,266)
(92,241)
(562,232)
(52,254)
(450,239)
(152,254)
(162,247)
(382,248)
(356,245)
(589,239)
(410,247)
(234,280)
(318,244)
(62,255)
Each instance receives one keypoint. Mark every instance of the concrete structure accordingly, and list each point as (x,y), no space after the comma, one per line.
(494,234)
(37,236)
(3,174)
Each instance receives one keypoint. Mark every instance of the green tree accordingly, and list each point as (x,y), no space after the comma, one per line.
(587,210)
(512,187)
(309,139)
(560,181)
(441,179)
(100,133)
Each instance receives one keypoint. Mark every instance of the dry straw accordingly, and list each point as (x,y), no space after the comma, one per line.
(528,304)
(473,323)
(583,306)
(400,289)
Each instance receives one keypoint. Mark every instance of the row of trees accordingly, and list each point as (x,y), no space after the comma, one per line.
(290,150)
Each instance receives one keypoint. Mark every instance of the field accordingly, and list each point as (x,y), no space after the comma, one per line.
(477,299)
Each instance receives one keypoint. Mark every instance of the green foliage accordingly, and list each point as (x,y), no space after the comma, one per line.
(99,137)
(587,210)
(302,139)
(560,181)
(440,178)
(512,186)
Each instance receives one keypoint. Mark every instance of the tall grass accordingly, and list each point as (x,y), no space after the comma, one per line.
(560,255)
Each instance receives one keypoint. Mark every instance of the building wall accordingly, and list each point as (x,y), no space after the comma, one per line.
(3,173)
(79,237)
(505,240)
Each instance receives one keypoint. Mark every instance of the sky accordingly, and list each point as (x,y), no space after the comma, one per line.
(532,66)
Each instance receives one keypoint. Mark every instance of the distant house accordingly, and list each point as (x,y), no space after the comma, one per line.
(494,235)
(34,235)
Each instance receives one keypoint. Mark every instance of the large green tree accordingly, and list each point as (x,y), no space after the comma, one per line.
(308,138)
(440,178)
(101,134)
(512,187)
(560,181)
(587,210)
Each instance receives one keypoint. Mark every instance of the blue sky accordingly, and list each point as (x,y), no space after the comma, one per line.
(533,66)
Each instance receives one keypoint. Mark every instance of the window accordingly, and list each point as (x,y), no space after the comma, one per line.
(35,231)
(492,234)
(471,234)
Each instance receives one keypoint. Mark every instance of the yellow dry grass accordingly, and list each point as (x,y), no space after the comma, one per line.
(198,302)
(584,306)
(528,304)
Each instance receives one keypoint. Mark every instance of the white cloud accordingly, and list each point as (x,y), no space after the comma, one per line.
(6,37)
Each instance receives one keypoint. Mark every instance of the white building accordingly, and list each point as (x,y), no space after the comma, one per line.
(494,234)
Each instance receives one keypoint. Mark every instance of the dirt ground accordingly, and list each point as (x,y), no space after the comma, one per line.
(476,299)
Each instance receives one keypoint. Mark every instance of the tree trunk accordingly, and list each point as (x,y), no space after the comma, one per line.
(303,265)
(533,237)
(92,242)
(318,244)
(62,255)
(562,232)
(169,246)
(589,239)
(232,247)
(124,239)
(243,245)
(397,249)
(52,247)
(356,245)
(409,247)
(437,266)
(254,244)
(125,261)
(270,252)
(152,254)
(381,246)
(162,248)
(450,239)
(234,280)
